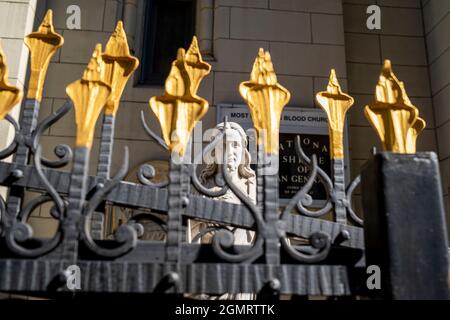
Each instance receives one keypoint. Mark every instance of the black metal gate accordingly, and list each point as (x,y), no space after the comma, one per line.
(402,197)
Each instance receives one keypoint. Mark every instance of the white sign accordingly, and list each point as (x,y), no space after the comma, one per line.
(312,125)
(293,120)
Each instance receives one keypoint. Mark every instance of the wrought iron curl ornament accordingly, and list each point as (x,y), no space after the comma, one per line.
(306,201)
(63,152)
(350,210)
(17,236)
(135,222)
(152,134)
(126,235)
(320,241)
(147,172)
(12,147)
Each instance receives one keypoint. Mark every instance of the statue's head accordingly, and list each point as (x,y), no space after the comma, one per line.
(237,158)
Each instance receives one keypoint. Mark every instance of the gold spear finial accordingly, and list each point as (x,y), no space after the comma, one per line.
(89,95)
(120,65)
(9,95)
(42,44)
(393,116)
(179,109)
(336,104)
(195,66)
(266,99)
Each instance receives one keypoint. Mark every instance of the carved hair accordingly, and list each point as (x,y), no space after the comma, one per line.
(244,169)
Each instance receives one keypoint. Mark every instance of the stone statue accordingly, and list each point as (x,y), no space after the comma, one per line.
(237,163)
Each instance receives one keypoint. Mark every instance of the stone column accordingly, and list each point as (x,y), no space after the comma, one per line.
(130,17)
(204,26)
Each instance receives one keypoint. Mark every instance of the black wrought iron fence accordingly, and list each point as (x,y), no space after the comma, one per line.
(401,193)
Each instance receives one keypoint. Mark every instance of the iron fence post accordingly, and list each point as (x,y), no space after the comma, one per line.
(340,208)
(404,226)
(271,210)
(104,168)
(71,224)
(28,124)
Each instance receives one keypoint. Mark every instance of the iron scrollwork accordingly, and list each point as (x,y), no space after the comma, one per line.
(339,200)
(318,173)
(9,150)
(21,232)
(62,151)
(126,235)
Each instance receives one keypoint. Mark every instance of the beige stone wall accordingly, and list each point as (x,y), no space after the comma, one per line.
(402,40)
(437,31)
(305,39)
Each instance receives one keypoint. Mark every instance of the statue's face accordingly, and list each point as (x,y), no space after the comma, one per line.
(234,150)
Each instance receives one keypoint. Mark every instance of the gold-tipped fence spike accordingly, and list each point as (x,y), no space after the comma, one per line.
(9,95)
(89,96)
(266,99)
(195,66)
(120,65)
(42,45)
(336,104)
(393,116)
(179,109)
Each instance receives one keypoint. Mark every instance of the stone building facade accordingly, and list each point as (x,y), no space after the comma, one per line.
(306,38)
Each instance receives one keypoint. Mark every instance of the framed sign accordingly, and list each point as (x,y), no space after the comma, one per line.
(312,126)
